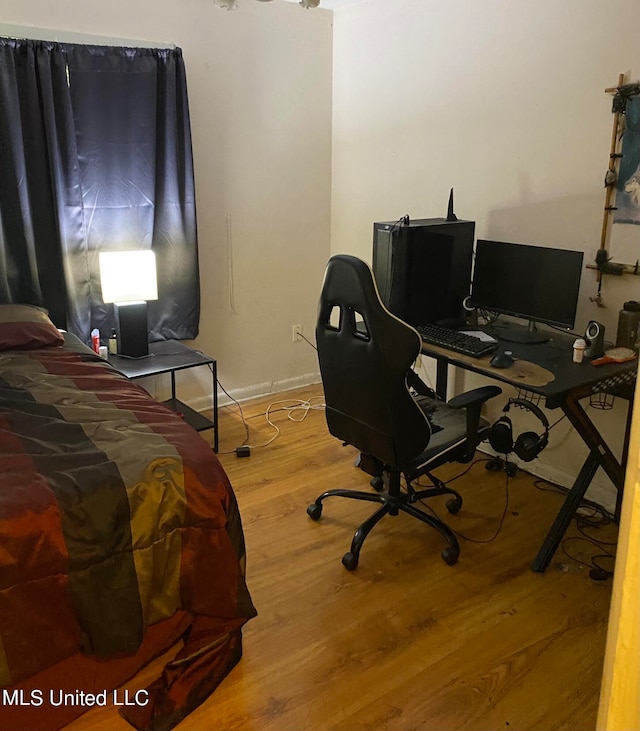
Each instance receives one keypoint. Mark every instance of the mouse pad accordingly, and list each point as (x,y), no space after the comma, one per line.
(522,371)
(530,374)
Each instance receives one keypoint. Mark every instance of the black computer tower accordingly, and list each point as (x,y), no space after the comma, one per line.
(423,268)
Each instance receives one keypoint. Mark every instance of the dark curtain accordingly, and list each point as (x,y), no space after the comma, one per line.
(96,155)
(31,240)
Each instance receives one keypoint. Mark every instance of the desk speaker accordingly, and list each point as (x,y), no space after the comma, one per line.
(594,337)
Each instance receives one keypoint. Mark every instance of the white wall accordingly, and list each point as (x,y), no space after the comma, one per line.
(504,101)
(259,81)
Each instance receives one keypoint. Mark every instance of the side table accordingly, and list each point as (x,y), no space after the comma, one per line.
(169,356)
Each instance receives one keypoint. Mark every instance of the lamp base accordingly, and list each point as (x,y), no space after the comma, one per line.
(131,329)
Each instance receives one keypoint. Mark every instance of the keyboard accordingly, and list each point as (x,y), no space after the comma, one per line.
(456,341)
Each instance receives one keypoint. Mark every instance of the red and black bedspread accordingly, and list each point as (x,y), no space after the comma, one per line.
(116,521)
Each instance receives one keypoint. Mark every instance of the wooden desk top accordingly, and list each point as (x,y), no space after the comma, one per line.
(522,371)
(543,368)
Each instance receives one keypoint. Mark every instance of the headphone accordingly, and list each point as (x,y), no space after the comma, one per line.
(529,444)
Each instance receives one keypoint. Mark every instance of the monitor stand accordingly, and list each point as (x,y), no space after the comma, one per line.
(510,332)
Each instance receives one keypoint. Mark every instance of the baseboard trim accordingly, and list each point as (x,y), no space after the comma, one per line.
(255,391)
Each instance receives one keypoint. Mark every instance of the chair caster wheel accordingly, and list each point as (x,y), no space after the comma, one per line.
(350,561)
(314,511)
(450,556)
(511,469)
(454,505)
(377,483)
(493,465)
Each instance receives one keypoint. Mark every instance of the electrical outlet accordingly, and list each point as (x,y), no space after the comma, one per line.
(296,334)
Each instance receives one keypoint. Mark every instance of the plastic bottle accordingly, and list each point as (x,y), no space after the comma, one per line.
(628,322)
(579,346)
(113,342)
(95,340)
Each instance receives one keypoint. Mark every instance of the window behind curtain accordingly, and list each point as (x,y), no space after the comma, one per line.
(121,171)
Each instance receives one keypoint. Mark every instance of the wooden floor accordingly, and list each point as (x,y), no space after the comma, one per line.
(405,641)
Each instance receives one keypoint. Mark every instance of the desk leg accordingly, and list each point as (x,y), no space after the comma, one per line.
(214,371)
(599,456)
(567,511)
(442,375)
(594,440)
(625,456)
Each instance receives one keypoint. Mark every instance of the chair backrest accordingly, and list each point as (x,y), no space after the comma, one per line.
(365,353)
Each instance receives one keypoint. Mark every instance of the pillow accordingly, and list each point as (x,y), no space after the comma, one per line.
(23,327)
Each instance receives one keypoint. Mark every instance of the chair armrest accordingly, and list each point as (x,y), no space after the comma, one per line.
(475,396)
(472,401)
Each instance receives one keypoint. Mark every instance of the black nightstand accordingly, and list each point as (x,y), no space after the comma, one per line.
(169,356)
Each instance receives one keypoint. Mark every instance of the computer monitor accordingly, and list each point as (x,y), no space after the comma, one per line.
(534,283)
(423,268)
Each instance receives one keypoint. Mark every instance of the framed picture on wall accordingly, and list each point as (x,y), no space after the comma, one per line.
(628,184)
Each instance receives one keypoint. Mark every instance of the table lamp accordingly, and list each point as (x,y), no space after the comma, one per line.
(128,279)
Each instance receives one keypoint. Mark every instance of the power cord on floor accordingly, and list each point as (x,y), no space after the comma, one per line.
(589,516)
(598,517)
(244,423)
(502,516)
(297,410)
(304,406)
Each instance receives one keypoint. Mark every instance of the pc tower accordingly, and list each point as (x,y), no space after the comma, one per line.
(423,268)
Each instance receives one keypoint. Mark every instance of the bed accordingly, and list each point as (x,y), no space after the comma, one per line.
(120,537)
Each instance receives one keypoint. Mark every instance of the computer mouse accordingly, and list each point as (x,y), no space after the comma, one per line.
(503,360)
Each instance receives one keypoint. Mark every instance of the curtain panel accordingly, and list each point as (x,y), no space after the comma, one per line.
(96,156)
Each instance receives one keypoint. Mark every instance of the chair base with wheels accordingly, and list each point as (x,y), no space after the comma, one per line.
(393,501)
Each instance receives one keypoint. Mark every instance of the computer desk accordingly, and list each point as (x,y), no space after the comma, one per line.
(546,373)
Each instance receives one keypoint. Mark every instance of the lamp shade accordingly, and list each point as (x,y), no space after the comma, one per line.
(128,276)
